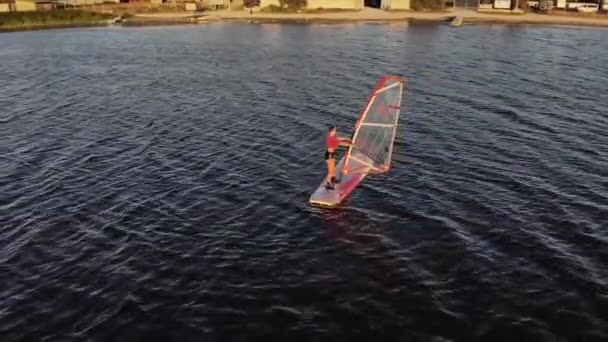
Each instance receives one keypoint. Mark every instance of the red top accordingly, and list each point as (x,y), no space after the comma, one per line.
(332,142)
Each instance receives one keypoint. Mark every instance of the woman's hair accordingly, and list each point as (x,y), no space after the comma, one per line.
(331,128)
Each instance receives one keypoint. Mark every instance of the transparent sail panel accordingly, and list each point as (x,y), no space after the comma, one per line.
(375,130)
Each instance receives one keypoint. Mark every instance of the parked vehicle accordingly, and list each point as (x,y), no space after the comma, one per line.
(588,8)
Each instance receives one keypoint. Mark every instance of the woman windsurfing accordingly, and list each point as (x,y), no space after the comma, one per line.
(332,143)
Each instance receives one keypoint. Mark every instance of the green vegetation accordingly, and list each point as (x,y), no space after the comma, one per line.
(418,5)
(286,6)
(17,20)
(293,4)
(251,3)
(272,9)
(130,9)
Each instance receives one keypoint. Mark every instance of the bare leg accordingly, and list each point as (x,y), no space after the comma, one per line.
(331,171)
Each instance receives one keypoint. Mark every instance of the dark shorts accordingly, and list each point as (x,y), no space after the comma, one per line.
(329,155)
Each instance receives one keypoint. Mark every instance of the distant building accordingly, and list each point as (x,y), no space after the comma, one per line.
(348,4)
(23,5)
(78,3)
(216,4)
(398,4)
(389,4)
(497,4)
(337,4)
(6,6)
(313,4)
(236,4)
(46,5)
(189,5)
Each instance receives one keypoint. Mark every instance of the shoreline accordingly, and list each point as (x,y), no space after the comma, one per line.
(470,17)
(44,20)
(51,26)
(366,16)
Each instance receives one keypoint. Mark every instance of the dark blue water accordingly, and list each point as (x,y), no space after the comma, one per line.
(154,185)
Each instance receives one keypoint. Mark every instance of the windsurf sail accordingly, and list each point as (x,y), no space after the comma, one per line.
(372,148)
(375,129)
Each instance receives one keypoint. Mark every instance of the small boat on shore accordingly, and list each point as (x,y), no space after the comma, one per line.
(457,21)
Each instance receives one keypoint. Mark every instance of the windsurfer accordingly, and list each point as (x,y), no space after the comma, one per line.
(333,142)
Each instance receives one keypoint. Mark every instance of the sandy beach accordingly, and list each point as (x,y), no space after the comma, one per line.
(373,15)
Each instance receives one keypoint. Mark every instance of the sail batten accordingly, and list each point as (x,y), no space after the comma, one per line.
(363,162)
(376,124)
(386,88)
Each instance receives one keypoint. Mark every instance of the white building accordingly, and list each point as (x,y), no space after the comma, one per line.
(347,4)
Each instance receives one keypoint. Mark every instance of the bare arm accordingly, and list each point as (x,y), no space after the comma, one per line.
(346,142)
